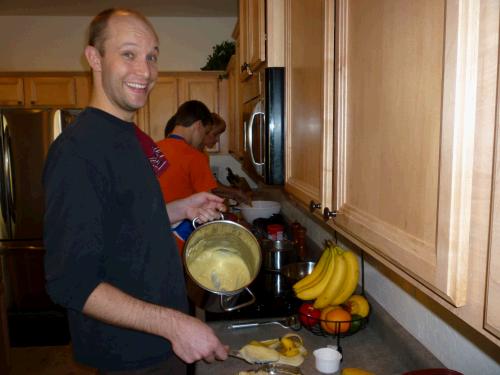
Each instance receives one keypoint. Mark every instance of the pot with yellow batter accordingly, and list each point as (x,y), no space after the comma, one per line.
(221,259)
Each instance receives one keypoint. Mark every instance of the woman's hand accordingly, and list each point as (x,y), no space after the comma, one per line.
(204,206)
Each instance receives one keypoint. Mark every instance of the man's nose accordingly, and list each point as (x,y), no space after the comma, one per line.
(143,68)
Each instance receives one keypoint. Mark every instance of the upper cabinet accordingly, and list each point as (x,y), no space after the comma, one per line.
(252,19)
(407,75)
(261,35)
(34,91)
(309,33)
(170,91)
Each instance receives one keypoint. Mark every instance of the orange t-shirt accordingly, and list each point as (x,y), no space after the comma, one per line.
(188,172)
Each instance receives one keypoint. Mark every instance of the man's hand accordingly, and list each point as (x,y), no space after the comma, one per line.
(205,206)
(192,339)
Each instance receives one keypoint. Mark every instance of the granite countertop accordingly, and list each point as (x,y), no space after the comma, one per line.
(383,347)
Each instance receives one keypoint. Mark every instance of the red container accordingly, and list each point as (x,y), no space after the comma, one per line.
(275,232)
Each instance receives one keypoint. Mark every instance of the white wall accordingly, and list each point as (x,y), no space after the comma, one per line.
(56,43)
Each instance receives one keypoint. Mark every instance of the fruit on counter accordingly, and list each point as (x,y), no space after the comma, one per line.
(355,371)
(258,354)
(357,304)
(290,347)
(335,282)
(308,314)
(322,317)
(356,323)
(336,320)
(317,273)
(351,279)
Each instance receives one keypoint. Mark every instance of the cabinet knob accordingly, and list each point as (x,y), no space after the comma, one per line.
(246,67)
(19,102)
(327,214)
(314,206)
(33,102)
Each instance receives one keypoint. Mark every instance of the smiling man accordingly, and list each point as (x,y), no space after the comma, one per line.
(109,259)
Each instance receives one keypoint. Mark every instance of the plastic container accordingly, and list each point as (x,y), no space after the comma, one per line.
(275,232)
(327,360)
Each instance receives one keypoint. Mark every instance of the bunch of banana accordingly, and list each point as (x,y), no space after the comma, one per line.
(333,280)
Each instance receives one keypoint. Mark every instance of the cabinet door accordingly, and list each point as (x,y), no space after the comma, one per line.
(235,131)
(200,87)
(252,35)
(162,104)
(50,91)
(11,91)
(309,99)
(492,307)
(406,101)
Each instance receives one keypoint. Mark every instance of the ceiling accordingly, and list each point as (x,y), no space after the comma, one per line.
(151,8)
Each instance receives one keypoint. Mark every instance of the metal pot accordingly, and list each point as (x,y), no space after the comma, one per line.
(276,254)
(221,259)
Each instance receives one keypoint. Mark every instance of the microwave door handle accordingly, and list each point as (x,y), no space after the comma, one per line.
(255,113)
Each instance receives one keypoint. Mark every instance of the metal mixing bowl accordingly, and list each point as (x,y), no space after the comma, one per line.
(297,271)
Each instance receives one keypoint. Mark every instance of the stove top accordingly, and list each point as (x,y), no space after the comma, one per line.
(274,298)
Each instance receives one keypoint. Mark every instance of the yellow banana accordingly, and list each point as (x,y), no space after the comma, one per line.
(288,347)
(355,371)
(316,289)
(335,284)
(313,277)
(351,279)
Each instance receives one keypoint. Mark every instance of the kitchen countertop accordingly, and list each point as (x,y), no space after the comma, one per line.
(383,347)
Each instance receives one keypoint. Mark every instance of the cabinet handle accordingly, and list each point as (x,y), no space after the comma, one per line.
(19,102)
(314,206)
(327,214)
(246,67)
(33,102)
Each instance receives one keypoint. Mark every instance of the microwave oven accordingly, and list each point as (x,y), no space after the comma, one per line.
(264,130)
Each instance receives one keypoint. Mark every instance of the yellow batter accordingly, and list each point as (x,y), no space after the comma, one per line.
(220,270)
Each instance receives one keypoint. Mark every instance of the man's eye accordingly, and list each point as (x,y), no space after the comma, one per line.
(153,58)
(128,55)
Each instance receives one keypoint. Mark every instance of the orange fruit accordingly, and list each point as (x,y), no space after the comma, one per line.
(337,321)
(322,317)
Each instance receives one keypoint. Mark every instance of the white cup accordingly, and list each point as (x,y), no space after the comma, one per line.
(327,360)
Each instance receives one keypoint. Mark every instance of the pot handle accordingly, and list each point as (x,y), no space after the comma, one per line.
(195,223)
(224,298)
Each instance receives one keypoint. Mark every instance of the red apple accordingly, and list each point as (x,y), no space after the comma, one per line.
(308,314)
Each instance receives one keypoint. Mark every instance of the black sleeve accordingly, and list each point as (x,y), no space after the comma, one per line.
(73,230)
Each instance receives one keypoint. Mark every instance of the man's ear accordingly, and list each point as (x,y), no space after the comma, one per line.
(93,57)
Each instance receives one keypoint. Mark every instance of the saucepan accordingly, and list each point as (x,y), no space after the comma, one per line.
(221,258)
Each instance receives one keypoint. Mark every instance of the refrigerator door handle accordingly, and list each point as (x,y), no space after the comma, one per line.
(8,178)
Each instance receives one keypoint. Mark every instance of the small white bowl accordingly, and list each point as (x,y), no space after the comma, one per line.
(259,209)
(327,360)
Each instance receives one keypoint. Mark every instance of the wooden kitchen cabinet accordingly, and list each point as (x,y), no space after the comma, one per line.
(252,21)
(309,99)
(492,304)
(170,91)
(11,91)
(34,91)
(234,123)
(406,85)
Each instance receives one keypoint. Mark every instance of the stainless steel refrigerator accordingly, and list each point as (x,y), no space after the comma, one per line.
(25,137)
